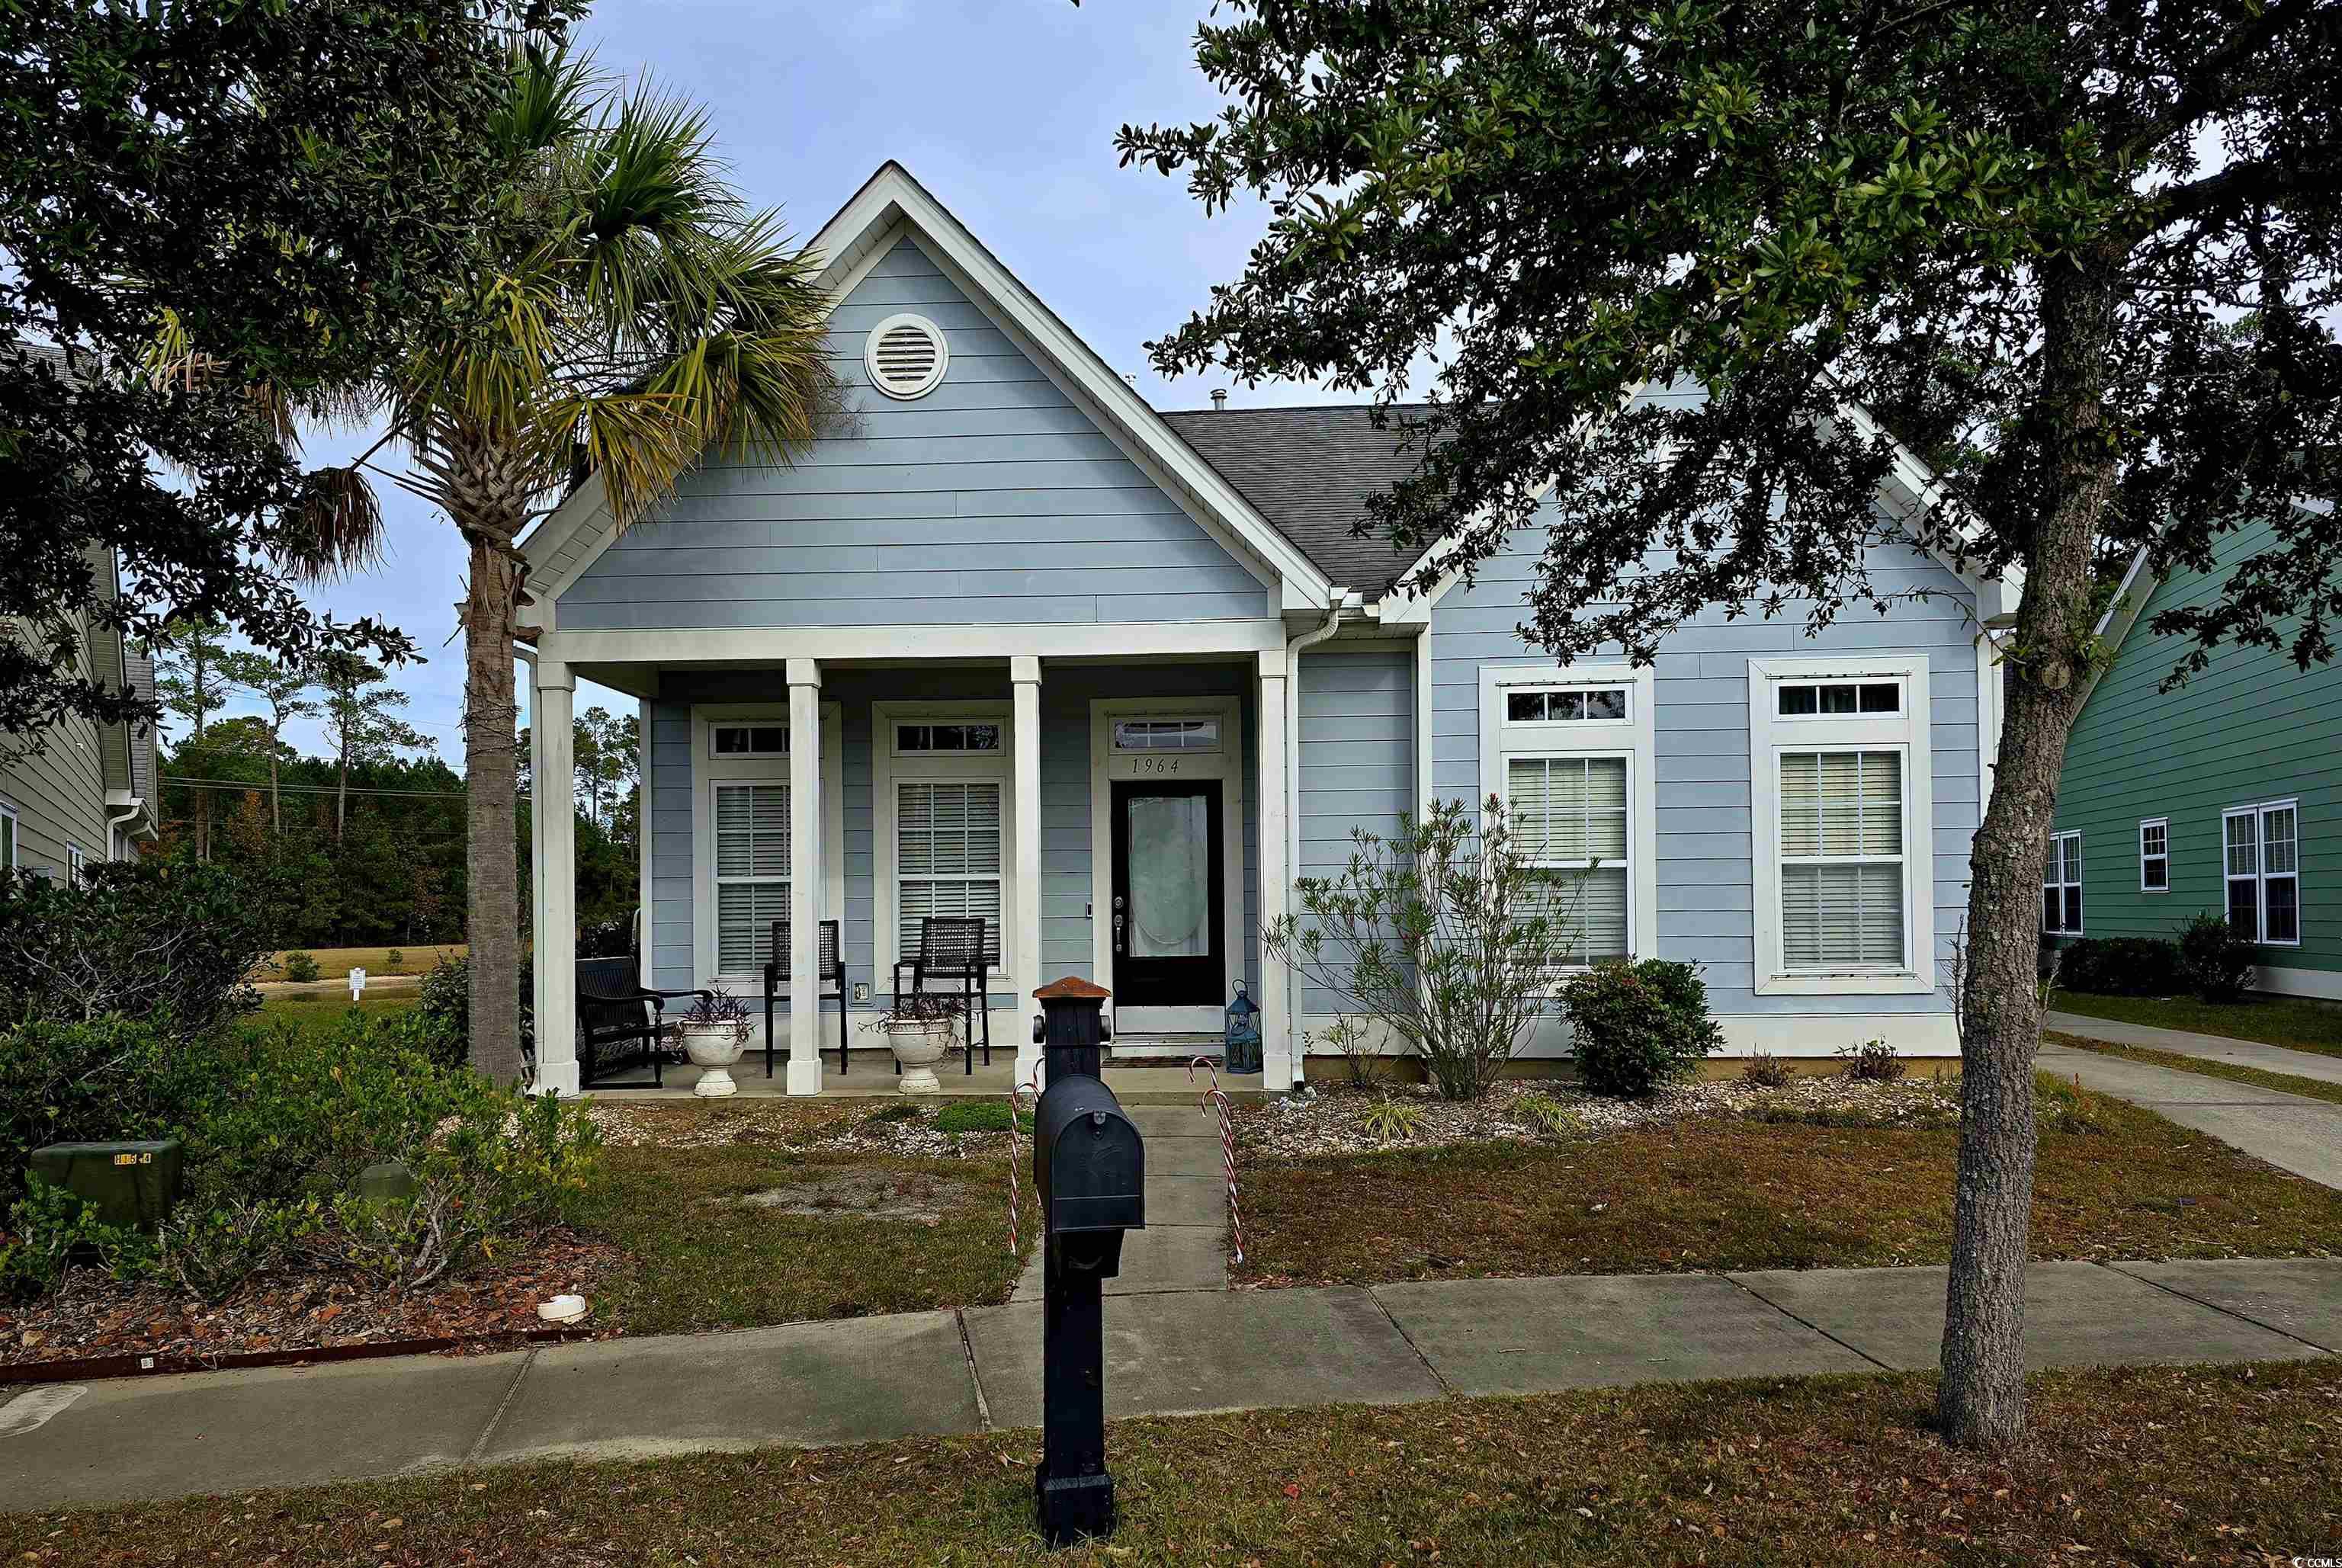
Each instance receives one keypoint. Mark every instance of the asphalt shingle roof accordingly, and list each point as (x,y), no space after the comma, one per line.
(1309,471)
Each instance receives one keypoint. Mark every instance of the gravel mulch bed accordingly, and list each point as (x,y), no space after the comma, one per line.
(901,1127)
(1320,1120)
(94,1317)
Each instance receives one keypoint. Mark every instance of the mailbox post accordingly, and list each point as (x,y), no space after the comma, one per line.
(1090,1166)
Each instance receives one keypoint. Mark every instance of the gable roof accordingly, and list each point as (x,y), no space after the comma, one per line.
(889,205)
(1309,471)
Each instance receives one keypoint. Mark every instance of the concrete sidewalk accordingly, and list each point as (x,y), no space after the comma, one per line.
(2291,1131)
(2211,1047)
(1169,1352)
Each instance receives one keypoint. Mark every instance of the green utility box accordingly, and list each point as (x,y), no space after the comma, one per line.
(132,1183)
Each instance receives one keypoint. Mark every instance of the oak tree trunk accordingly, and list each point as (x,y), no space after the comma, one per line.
(490,744)
(1981,1400)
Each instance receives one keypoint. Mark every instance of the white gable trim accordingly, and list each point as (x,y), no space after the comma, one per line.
(888,206)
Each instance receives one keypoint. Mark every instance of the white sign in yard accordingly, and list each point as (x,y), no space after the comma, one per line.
(357,984)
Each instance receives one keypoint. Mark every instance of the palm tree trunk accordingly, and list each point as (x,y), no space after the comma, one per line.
(490,710)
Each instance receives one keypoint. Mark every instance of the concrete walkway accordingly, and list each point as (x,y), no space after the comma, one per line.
(1184,1246)
(1169,1352)
(2291,1131)
(2211,1047)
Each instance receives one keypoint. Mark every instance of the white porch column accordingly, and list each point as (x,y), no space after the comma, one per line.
(1280,1068)
(1025,734)
(806,874)
(553,840)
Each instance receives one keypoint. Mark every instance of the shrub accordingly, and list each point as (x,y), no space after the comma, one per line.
(445,997)
(1765,1071)
(1442,939)
(1638,1025)
(51,1228)
(2215,962)
(1546,1113)
(393,961)
(76,1082)
(1348,1036)
(2118,965)
(154,938)
(1872,1061)
(300,966)
(1389,1118)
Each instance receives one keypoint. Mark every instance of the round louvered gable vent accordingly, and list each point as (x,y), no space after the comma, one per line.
(906,356)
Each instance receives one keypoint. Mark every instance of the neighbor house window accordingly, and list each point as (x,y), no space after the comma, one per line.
(77,862)
(945,808)
(1567,750)
(1840,778)
(7,837)
(2061,885)
(2154,855)
(2262,847)
(752,871)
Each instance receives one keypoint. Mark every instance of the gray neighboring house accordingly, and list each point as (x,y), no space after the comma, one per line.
(1016,644)
(89,792)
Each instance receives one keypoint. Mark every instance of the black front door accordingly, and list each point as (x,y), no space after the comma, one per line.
(1169,895)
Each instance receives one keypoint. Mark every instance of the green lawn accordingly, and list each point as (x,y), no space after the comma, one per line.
(1731,1194)
(2287,1083)
(2295,1023)
(699,1261)
(2214,1466)
(325,1004)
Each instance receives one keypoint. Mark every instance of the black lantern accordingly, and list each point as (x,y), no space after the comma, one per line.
(1244,1034)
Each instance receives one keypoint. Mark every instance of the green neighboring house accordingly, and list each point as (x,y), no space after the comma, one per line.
(2224,795)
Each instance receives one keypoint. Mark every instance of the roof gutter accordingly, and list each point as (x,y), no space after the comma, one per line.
(1336,599)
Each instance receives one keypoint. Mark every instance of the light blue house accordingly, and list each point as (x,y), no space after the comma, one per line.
(1018,644)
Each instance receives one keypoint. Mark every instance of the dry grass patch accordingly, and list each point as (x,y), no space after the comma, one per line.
(1714,1192)
(2295,1023)
(2149,1465)
(2235,1072)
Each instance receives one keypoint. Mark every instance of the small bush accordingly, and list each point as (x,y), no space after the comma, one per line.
(1872,1061)
(1388,1118)
(1765,1071)
(393,961)
(1638,1025)
(1364,1064)
(300,967)
(1546,1113)
(979,1116)
(81,1082)
(52,1229)
(154,938)
(445,997)
(2118,965)
(2215,962)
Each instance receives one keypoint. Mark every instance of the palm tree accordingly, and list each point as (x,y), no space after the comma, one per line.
(627,310)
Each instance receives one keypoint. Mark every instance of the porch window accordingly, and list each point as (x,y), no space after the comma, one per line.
(924,740)
(1570,816)
(752,871)
(1842,860)
(1573,705)
(2061,885)
(947,855)
(2263,866)
(1166,735)
(751,740)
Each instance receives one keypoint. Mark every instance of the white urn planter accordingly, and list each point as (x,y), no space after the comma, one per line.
(919,1044)
(713,1048)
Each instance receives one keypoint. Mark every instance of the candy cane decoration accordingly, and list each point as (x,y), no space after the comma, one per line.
(1213,1098)
(1032,1085)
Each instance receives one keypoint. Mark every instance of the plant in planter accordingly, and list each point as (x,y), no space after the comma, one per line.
(715,1031)
(918,1030)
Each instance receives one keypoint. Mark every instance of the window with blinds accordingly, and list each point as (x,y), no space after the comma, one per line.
(752,873)
(1569,815)
(2263,868)
(1842,860)
(947,848)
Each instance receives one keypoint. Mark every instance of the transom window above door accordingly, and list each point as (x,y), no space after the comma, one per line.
(751,740)
(1201,734)
(1576,705)
(923,740)
(1836,699)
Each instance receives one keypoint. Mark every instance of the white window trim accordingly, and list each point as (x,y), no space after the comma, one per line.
(708,769)
(2056,849)
(76,860)
(2165,823)
(2260,873)
(15,837)
(1632,737)
(1770,735)
(888,768)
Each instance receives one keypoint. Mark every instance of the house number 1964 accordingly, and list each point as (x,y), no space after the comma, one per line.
(1157,766)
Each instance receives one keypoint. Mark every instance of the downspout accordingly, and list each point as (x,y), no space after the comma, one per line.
(114,824)
(1335,600)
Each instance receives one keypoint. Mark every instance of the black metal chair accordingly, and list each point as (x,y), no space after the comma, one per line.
(959,951)
(831,969)
(621,1024)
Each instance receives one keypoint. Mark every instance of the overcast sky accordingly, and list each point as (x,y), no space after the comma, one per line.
(1007,111)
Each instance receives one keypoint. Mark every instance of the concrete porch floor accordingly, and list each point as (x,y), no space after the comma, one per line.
(871,1075)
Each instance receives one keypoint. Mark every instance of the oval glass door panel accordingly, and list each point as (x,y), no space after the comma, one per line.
(1170,875)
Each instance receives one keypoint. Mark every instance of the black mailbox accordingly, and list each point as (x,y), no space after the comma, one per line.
(1090,1166)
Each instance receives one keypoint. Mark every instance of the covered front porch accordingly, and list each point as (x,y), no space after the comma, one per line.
(1112,808)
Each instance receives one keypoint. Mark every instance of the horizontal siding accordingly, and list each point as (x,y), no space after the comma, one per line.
(1356,762)
(1706,875)
(992,500)
(2250,727)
